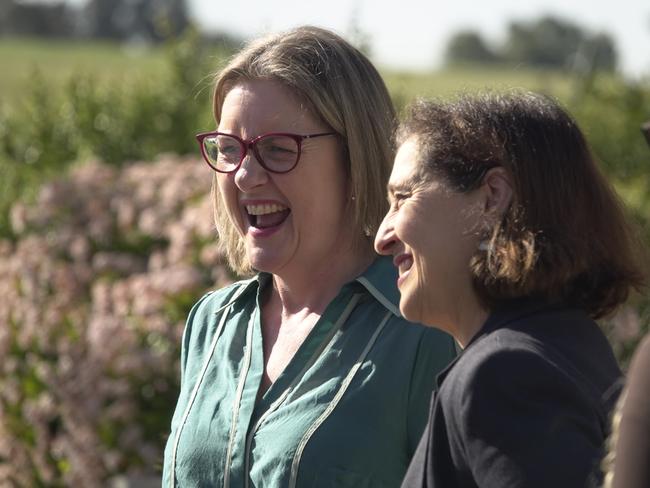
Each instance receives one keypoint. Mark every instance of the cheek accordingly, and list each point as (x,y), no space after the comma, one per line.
(412,229)
(228,196)
(325,191)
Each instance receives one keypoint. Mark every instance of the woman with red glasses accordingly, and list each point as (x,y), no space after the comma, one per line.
(304,374)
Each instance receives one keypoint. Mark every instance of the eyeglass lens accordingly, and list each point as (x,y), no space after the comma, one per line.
(277,152)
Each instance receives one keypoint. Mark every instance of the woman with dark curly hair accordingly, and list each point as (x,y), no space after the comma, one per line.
(507,236)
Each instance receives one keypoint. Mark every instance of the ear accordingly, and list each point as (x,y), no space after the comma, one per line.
(497,189)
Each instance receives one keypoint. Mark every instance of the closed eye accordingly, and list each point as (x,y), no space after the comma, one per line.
(225,145)
(398,198)
(280,149)
(228,148)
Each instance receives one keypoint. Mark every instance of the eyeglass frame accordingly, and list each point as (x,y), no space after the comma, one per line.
(247,144)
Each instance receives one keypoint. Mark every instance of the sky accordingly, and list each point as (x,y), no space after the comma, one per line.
(412,34)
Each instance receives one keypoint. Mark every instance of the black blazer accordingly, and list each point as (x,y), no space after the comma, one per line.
(526,404)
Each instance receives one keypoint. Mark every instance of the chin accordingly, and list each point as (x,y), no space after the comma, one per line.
(263,261)
(406,314)
(412,306)
(408,308)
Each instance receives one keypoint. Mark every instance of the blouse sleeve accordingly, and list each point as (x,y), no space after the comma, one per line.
(518,420)
(434,352)
(189,334)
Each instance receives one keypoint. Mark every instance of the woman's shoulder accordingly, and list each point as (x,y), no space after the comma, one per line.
(213,300)
(202,318)
(404,335)
(561,335)
(554,351)
(514,391)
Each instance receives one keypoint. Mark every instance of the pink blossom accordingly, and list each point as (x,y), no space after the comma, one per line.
(87,322)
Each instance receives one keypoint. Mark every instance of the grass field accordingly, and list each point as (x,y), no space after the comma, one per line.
(445,82)
(57,61)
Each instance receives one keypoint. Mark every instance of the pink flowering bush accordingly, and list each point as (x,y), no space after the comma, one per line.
(95,291)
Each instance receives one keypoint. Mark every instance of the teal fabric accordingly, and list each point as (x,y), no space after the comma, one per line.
(348,410)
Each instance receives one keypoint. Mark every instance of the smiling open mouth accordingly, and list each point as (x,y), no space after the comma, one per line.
(267,215)
(403,263)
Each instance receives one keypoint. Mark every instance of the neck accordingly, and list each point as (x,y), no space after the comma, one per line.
(470,326)
(463,318)
(311,288)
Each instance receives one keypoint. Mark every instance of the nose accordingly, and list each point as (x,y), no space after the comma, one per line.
(250,173)
(385,240)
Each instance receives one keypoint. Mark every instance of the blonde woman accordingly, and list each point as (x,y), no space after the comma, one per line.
(305,374)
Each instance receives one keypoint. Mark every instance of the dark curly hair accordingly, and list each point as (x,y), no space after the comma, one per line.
(565,236)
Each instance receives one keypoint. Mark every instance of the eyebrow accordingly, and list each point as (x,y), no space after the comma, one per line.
(407,184)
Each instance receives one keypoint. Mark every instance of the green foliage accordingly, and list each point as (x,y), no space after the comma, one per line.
(611,112)
(118,125)
(40,134)
(118,122)
(178,307)
(37,140)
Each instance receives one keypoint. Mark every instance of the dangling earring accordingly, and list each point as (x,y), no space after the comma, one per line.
(484,245)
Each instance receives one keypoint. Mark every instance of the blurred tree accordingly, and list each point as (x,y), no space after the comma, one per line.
(51,19)
(469,47)
(147,20)
(598,53)
(557,43)
(98,19)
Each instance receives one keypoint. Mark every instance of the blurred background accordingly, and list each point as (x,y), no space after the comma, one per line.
(106,234)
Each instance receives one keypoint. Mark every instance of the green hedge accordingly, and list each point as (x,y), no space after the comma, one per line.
(50,129)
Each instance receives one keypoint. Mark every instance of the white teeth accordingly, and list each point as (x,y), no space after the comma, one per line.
(264,209)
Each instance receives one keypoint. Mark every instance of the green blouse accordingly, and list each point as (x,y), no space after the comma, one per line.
(347,411)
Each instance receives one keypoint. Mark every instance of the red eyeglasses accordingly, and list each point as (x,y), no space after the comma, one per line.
(277,152)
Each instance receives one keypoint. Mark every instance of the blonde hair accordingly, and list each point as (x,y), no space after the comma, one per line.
(343,89)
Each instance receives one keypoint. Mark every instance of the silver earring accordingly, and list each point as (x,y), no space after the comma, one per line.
(484,245)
